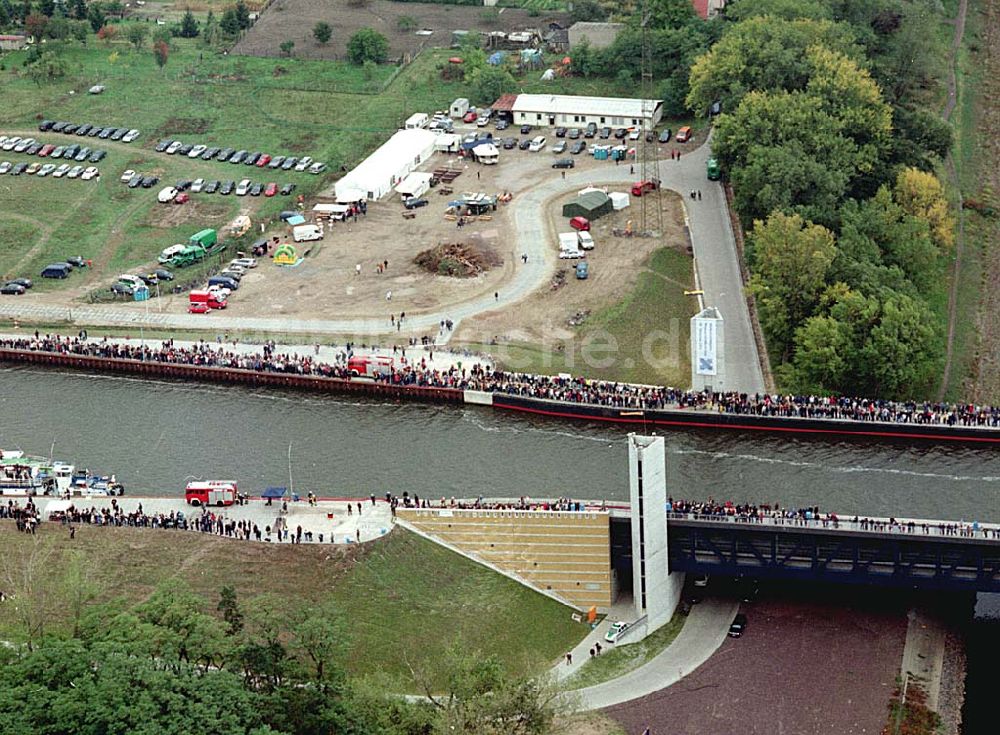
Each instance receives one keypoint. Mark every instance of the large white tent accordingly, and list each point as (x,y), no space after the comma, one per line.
(390,164)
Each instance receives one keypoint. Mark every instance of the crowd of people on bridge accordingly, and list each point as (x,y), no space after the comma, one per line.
(556,388)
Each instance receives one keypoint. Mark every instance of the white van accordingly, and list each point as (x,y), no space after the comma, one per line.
(305,233)
(170,252)
(417,120)
(585,240)
(537,144)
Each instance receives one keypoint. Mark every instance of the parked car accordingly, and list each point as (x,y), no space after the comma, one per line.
(185,149)
(122,289)
(582,271)
(163,145)
(97,156)
(57,270)
(210,153)
(42,170)
(126,175)
(642,187)
(183,184)
(225,154)
(148,182)
(276,162)
(289,163)
(510,143)
(287,189)
(19,169)
(197,151)
(135,182)
(226,188)
(525,129)
(23,145)
(163,274)
(182,198)
(210,187)
(635,133)
(502,125)
(77,261)
(5,167)
(271,189)
(738,626)
(89,173)
(579,223)
(196,185)
(33,149)
(119,133)
(12,289)
(238,156)
(579,147)
(469,117)
(573,133)
(415,202)
(605,133)
(26,282)
(94,132)
(46,149)
(45,125)
(664,136)
(590,131)
(683,134)
(537,144)
(9,143)
(559,147)
(130,136)
(616,631)
(256,190)
(106,133)
(174,147)
(82,154)
(561,132)
(524,144)
(74,172)
(564,163)
(303,163)
(166,194)
(317,168)
(252,159)
(243,187)
(263,160)
(244,262)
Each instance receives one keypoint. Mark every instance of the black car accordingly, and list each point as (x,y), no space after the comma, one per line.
(738,626)
(71,151)
(97,156)
(561,132)
(525,129)
(415,203)
(119,133)
(14,289)
(105,133)
(135,181)
(122,289)
(226,188)
(76,260)
(94,132)
(163,274)
(209,153)
(70,128)
(58,126)
(18,169)
(210,187)
(578,147)
(163,145)
(664,136)
(621,133)
(26,282)
(238,156)
(149,182)
(183,184)
(605,133)
(564,163)
(150,279)
(591,130)
(45,125)
(33,148)
(510,143)
(289,163)
(81,155)
(650,136)
(224,154)
(256,189)
(84,129)
(502,124)
(524,144)
(252,159)
(573,133)
(185,149)
(287,189)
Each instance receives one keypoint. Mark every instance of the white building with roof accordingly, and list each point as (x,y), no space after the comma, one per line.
(549,110)
(390,164)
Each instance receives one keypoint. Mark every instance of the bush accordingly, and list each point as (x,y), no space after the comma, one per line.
(368,45)
(322,32)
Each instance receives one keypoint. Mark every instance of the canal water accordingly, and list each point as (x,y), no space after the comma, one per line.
(155,435)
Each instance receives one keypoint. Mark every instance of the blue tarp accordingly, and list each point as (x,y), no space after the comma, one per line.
(296,220)
(274,492)
(497,58)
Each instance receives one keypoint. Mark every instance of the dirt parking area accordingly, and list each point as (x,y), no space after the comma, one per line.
(813,661)
(293,20)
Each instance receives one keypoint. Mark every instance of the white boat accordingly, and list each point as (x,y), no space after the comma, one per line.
(22,475)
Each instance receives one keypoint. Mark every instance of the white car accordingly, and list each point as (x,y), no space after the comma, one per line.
(586,241)
(124,178)
(3,139)
(74,172)
(130,136)
(234,268)
(243,187)
(23,145)
(317,168)
(196,185)
(570,254)
(537,144)
(196,151)
(133,281)
(8,145)
(174,147)
(221,292)
(244,262)
(615,631)
(303,163)
(166,194)
(634,135)
(61,171)
(46,169)
(170,252)
(89,173)
(5,167)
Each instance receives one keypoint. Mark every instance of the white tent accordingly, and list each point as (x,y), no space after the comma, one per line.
(349,196)
(390,164)
(333,211)
(619,199)
(450,142)
(58,506)
(414,184)
(486,153)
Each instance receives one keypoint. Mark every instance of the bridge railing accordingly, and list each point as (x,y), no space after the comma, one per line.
(989,532)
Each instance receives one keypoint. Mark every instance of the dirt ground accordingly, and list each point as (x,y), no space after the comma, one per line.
(293,20)
(813,661)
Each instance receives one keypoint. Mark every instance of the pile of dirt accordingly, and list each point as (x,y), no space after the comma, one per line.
(458,259)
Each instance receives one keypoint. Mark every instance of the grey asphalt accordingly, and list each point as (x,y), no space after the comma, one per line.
(711,235)
(704,631)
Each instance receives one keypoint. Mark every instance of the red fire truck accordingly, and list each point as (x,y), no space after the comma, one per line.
(211,492)
(369,366)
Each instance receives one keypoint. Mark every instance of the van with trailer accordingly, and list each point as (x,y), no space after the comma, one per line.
(211,492)
(211,299)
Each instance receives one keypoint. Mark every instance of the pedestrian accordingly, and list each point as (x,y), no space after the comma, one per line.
(357,269)
(372,496)
(72,532)
(392,319)
(357,535)
(385,265)
(350,511)
(496,295)
(699,195)
(477,175)
(564,174)
(388,295)
(569,659)
(359,508)
(678,155)
(592,654)
(631,169)
(598,647)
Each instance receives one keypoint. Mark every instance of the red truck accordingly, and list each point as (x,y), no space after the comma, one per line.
(211,492)
(643,186)
(201,302)
(369,366)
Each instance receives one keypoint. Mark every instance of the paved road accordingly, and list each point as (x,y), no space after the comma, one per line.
(711,235)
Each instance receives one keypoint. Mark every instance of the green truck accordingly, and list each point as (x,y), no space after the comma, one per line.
(206,239)
(713,170)
(199,246)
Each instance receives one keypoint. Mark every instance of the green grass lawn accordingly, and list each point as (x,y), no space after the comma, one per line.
(620,660)
(649,325)
(406,599)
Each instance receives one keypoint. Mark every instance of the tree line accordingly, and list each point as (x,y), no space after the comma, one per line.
(831,156)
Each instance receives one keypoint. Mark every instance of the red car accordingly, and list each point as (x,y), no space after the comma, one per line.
(271,189)
(263,160)
(580,223)
(182,197)
(197,307)
(470,117)
(683,135)
(46,149)
(643,186)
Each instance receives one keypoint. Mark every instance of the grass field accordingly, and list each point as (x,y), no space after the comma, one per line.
(405,599)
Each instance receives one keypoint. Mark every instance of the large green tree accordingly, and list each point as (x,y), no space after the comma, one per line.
(368,45)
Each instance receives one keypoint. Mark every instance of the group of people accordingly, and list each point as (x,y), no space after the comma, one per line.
(549,387)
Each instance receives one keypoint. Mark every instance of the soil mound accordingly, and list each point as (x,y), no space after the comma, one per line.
(458,259)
